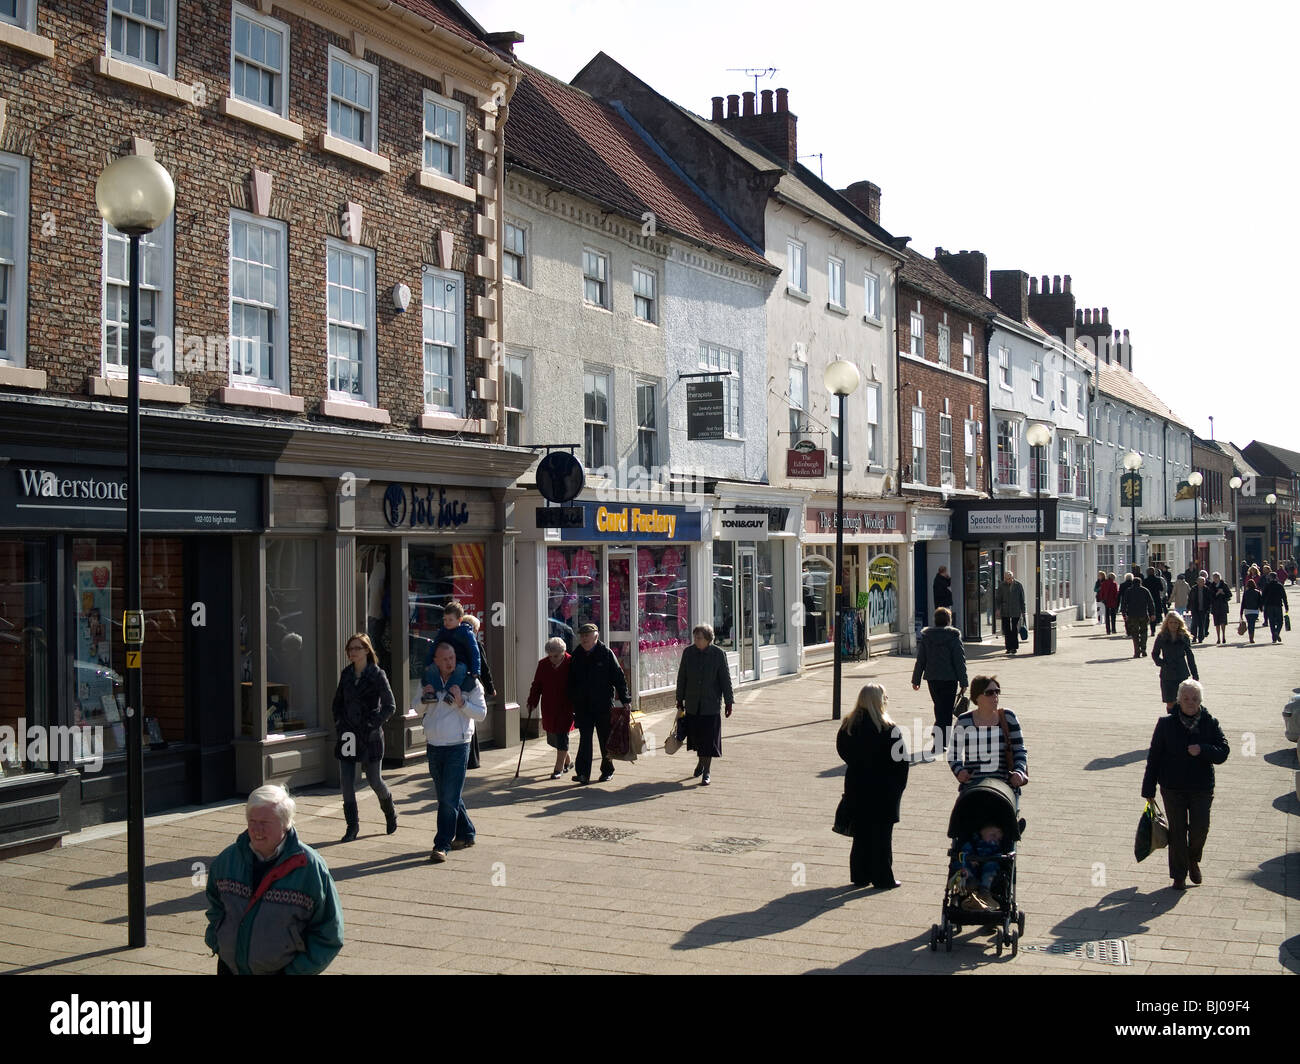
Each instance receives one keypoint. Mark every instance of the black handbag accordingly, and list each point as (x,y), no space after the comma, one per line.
(1286,620)
(473,751)
(843,818)
(1152,832)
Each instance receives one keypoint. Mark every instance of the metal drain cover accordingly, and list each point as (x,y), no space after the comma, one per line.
(730,845)
(591,833)
(1103,951)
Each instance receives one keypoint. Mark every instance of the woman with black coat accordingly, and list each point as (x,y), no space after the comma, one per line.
(1220,601)
(1275,605)
(875,751)
(1252,601)
(1172,653)
(941,659)
(703,688)
(362,703)
(1185,748)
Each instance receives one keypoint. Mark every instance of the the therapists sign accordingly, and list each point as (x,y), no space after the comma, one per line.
(1003,519)
(635,521)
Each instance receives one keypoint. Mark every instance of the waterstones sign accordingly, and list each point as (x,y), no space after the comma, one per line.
(54,497)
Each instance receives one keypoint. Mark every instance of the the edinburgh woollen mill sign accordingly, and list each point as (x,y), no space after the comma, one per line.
(805,460)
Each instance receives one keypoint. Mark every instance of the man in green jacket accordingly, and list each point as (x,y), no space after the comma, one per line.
(272,906)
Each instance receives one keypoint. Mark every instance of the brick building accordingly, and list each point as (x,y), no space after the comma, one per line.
(317,459)
(1268,529)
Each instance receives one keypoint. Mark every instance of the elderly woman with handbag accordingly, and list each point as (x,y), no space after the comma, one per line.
(875,754)
(703,686)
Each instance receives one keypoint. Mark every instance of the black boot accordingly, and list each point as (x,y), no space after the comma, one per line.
(390,814)
(354,824)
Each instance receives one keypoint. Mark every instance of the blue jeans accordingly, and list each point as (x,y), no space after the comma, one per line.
(447,766)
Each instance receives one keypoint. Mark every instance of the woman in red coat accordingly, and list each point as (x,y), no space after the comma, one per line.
(1109,595)
(550,687)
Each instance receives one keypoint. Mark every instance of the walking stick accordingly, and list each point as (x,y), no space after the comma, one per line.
(523,738)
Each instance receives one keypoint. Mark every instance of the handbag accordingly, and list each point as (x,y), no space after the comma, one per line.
(636,736)
(843,818)
(1242,626)
(1286,621)
(675,739)
(1152,832)
(473,761)
(1006,742)
(618,747)
(1024,634)
(962,705)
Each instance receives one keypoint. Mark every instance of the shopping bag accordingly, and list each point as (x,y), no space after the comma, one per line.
(1286,621)
(618,747)
(1242,626)
(676,735)
(843,819)
(1152,832)
(636,736)
(1024,634)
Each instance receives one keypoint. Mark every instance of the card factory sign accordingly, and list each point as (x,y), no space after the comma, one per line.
(855,521)
(626,522)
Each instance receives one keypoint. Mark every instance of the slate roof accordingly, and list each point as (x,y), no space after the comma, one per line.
(1118,383)
(935,281)
(1242,464)
(561,133)
(1284,462)
(457,20)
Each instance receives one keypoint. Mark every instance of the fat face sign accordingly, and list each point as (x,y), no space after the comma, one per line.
(424,508)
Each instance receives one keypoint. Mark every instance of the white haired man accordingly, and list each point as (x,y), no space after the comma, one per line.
(272,906)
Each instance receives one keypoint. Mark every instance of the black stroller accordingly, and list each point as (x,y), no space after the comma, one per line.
(986,801)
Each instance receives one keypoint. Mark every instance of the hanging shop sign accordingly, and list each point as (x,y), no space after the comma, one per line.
(1130,489)
(805,460)
(632,522)
(704,410)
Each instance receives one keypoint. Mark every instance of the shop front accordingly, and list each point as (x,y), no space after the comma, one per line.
(932,547)
(875,581)
(636,568)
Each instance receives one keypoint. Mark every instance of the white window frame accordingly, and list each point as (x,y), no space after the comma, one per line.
(652,428)
(603,258)
(518,412)
(967,353)
(797,252)
(598,373)
(916,329)
(970,451)
(1064,465)
(15,338)
(1013,439)
(945,345)
(522,256)
(279,378)
(835,287)
(371,142)
(271,25)
(457,172)
(871,285)
(1078,398)
(638,296)
(1004,367)
(798,410)
(918,449)
(945,466)
(167,46)
(25,17)
(1081,484)
(717,357)
(431,277)
(1065,391)
(368,395)
(164,239)
(1036,378)
(872,423)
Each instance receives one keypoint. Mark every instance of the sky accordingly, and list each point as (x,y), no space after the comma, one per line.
(1146,149)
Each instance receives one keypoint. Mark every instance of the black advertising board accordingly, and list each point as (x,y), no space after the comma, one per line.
(704,410)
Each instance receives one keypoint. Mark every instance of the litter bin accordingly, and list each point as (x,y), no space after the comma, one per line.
(1045,633)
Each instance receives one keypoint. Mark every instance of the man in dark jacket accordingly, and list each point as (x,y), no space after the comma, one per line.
(703,687)
(941,659)
(1155,584)
(594,673)
(1184,750)
(942,588)
(1009,599)
(1275,604)
(1138,610)
(1199,601)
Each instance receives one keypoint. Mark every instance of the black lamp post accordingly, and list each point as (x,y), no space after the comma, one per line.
(842,379)
(1132,463)
(1038,437)
(135,195)
(1235,485)
(1195,479)
(1271,499)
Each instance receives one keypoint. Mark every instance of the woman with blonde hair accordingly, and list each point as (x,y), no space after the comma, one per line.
(1172,653)
(875,751)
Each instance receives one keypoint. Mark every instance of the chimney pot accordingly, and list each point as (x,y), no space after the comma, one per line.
(1078,317)
(767,101)
(1056,284)
(1087,316)
(783,99)
(1105,315)
(1033,285)
(1117,336)
(1067,283)
(1126,336)
(717,108)
(1045,288)
(733,106)
(749,104)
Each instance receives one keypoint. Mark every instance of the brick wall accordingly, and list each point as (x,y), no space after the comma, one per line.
(937,384)
(69,120)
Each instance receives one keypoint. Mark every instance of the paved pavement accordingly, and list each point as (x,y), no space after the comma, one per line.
(660,875)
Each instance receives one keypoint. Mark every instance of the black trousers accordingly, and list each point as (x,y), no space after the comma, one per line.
(1110,618)
(589,720)
(872,858)
(1188,813)
(1011,632)
(943,694)
(1200,624)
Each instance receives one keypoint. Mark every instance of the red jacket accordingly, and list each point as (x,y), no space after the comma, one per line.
(551,686)
(1109,594)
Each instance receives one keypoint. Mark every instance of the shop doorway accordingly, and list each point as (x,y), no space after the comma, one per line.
(920,587)
(374,602)
(622,624)
(746,611)
(982,572)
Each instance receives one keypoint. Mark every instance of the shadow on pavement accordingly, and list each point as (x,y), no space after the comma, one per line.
(1284,758)
(1289,954)
(1108,661)
(1277,873)
(1098,764)
(182,868)
(1119,914)
(827,773)
(561,796)
(1287,803)
(780,914)
(968,953)
(65,960)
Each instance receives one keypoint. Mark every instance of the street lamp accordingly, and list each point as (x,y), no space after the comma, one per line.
(1133,462)
(842,379)
(135,195)
(1195,479)
(1271,499)
(1235,485)
(1038,436)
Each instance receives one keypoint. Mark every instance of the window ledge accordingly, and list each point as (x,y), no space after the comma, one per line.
(835,308)
(261,398)
(354,152)
(257,116)
(873,321)
(354,411)
(795,293)
(26,41)
(441,421)
(144,78)
(596,306)
(17,377)
(440,183)
(153,391)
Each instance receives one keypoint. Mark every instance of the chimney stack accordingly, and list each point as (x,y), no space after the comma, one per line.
(1053,308)
(866,197)
(968,268)
(1009,289)
(717,108)
(772,130)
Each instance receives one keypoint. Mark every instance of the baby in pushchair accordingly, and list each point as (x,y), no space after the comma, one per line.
(981,861)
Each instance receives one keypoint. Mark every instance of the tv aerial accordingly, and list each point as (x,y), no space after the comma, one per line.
(754,72)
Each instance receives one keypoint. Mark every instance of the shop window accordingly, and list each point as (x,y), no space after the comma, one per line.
(24,640)
(291,636)
(817,600)
(663,614)
(771,592)
(439,574)
(724,594)
(573,592)
(882,594)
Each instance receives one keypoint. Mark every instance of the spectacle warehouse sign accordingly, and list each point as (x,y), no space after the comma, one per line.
(619,521)
(1002,519)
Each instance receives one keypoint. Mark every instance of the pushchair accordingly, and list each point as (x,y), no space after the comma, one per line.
(985,801)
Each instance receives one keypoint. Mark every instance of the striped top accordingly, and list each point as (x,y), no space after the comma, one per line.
(978,749)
